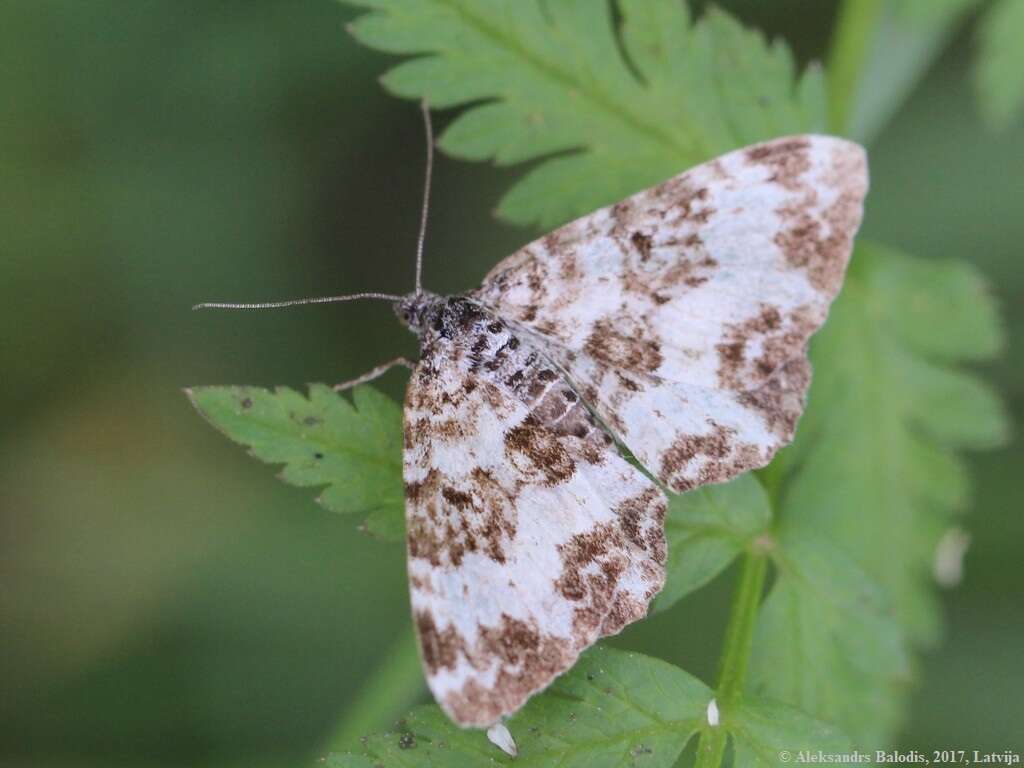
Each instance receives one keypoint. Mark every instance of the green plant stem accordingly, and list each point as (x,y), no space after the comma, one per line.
(392,688)
(732,671)
(771,479)
(851,43)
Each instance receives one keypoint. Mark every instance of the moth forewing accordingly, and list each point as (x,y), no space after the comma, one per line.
(684,312)
(529,536)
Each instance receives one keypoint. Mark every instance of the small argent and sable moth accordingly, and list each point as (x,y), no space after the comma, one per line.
(673,324)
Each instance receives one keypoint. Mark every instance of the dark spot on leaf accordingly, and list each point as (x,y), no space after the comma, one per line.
(406,741)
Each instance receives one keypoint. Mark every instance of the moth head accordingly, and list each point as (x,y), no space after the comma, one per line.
(413,309)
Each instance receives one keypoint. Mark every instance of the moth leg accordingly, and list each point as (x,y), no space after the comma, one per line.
(375,373)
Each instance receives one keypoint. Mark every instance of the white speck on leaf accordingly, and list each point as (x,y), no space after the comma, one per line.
(713,713)
(948,567)
(501,737)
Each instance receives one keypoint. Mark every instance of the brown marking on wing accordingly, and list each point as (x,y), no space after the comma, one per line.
(539,452)
(806,246)
(780,401)
(440,648)
(642,243)
(688,202)
(773,383)
(532,658)
(720,457)
(677,262)
(445,522)
(585,549)
(691,272)
(689,211)
(549,328)
(568,267)
(625,609)
(593,562)
(424,543)
(620,344)
(788,160)
(732,351)
(821,246)
(782,339)
(648,506)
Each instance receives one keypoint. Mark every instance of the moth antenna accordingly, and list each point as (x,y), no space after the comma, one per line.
(297,302)
(426,195)
(352,297)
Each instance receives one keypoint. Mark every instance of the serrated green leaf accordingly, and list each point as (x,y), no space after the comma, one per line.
(999,74)
(613,709)
(353,448)
(825,639)
(942,310)
(706,529)
(631,108)
(767,733)
(873,471)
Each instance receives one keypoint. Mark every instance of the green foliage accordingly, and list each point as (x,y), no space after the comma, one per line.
(354,449)
(706,529)
(552,78)
(875,467)
(613,709)
(907,36)
(873,473)
(827,642)
(762,730)
(999,74)
(913,32)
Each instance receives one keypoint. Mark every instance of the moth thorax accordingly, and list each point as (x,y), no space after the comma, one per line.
(413,309)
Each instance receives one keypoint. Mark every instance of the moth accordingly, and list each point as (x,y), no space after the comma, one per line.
(673,326)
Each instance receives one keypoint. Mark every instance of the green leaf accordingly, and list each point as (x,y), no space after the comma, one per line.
(706,529)
(613,709)
(999,74)
(767,733)
(826,639)
(909,36)
(874,471)
(631,109)
(352,448)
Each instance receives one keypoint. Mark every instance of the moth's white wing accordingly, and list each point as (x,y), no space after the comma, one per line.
(529,536)
(683,312)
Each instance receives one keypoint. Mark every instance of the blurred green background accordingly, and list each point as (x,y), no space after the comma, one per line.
(164,600)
